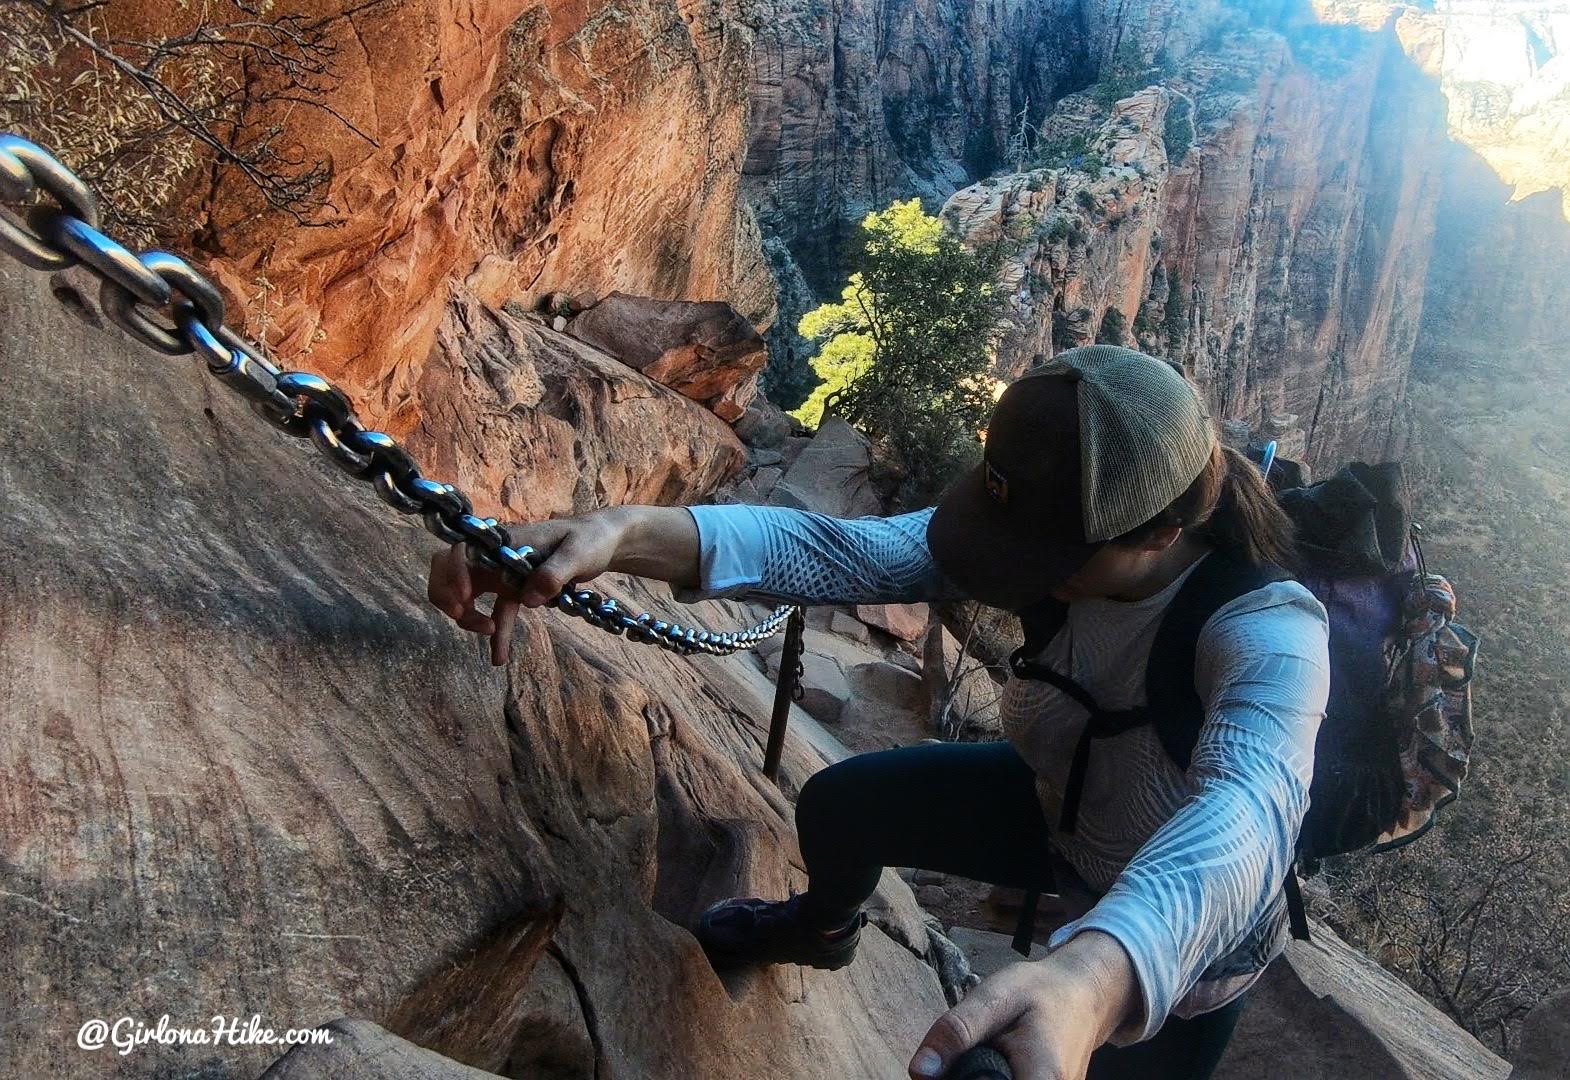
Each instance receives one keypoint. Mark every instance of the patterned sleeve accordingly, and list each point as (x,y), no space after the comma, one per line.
(796,556)
(1206,876)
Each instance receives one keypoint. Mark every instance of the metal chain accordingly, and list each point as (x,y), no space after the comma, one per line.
(159,299)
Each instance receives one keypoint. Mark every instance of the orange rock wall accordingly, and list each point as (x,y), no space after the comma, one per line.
(513,149)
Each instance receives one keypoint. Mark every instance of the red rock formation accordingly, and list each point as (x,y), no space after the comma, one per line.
(702,350)
(534,423)
(500,146)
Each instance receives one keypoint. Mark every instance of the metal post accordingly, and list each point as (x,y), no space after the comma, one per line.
(784,692)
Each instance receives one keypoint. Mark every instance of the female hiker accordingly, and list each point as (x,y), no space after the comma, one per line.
(1102,488)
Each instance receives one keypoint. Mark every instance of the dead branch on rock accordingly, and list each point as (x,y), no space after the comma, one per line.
(1462,937)
(142,120)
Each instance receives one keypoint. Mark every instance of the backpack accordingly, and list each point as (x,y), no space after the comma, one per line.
(1397,734)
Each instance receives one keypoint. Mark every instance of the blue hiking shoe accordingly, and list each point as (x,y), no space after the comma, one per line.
(747,931)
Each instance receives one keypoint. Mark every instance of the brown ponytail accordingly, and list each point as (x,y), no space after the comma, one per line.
(1229,505)
(1247,520)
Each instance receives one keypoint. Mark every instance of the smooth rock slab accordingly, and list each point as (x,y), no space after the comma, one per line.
(843,623)
(890,685)
(247,768)
(361,1050)
(832,475)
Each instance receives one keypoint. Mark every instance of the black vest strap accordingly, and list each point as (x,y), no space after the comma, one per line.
(1170,692)
(1297,917)
(1099,724)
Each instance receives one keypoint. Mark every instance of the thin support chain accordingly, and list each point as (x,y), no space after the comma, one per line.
(162,301)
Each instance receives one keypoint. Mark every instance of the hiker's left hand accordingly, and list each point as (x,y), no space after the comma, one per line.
(1046,1016)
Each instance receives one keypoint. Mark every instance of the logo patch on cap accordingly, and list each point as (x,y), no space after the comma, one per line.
(997,484)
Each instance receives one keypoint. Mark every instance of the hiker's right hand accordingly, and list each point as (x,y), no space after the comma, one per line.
(574,550)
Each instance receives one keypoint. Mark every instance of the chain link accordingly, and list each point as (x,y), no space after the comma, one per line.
(162,301)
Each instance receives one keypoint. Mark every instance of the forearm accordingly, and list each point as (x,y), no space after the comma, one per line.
(1099,963)
(1193,891)
(658,542)
(797,556)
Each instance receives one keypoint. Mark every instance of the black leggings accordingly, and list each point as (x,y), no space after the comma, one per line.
(968,809)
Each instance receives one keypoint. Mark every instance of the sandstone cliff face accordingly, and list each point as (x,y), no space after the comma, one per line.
(510,150)
(1275,260)
(1285,258)
(857,104)
(1299,237)
(247,769)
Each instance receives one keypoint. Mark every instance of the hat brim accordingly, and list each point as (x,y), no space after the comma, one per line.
(994,558)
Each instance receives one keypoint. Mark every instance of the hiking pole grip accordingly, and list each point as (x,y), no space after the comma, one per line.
(981,1063)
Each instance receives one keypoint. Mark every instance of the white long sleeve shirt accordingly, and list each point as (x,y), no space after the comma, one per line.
(1190,862)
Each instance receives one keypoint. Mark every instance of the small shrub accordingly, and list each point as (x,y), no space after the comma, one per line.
(1060,152)
(1085,198)
(1178,134)
(1114,328)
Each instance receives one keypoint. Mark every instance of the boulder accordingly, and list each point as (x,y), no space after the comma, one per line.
(702,349)
(907,622)
(276,781)
(847,625)
(763,426)
(824,688)
(1544,1050)
(765,479)
(832,475)
(891,685)
(533,423)
(794,447)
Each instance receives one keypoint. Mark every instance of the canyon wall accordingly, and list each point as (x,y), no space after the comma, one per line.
(1279,258)
(508,150)
(1499,283)
(1288,249)
(856,104)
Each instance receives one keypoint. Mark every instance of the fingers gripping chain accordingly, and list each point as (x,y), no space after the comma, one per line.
(52,222)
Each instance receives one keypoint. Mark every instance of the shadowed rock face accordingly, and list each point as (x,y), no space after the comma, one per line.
(856,104)
(703,350)
(1544,1053)
(244,768)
